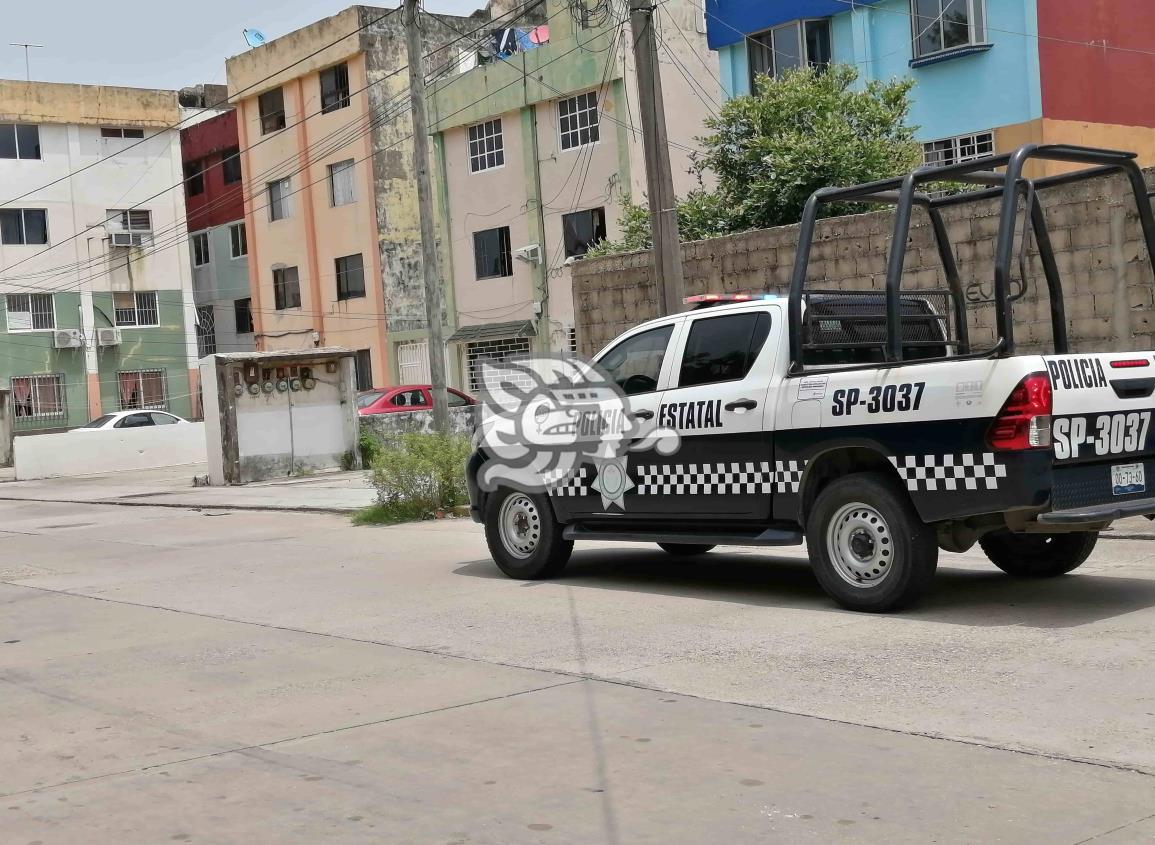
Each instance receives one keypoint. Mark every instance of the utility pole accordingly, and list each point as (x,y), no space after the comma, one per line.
(429,261)
(27,66)
(659,180)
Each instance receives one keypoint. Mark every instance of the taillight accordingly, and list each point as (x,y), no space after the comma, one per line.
(1025,420)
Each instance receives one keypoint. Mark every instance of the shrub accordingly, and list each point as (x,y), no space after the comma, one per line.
(417,474)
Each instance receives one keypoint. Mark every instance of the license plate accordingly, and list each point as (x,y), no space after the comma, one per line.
(1127,479)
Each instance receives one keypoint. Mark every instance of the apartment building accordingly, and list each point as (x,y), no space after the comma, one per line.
(218,241)
(538,143)
(334,247)
(989,75)
(95,284)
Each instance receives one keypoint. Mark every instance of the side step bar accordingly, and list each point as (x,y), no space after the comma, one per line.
(767,537)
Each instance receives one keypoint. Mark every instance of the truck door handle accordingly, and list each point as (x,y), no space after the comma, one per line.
(1133,388)
(642,415)
(741,404)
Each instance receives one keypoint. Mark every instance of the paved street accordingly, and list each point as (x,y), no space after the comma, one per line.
(225,676)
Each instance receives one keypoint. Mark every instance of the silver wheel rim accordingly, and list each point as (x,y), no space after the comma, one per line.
(860,545)
(520,525)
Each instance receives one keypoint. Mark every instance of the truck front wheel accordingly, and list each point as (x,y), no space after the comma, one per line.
(523,536)
(869,549)
(1038,555)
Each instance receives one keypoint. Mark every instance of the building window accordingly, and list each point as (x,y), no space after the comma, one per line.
(939,25)
(238,241)
(491,253)
(206,331)
(286,288)
(583,229)
(30,312)
(141,389)
(946,151)
(23,226)
(363,366)
(350,277)
(243,315)
(36,398)
(486,146)
(194,178)
(271,106)
(494,351)
(200,248)
(19,140)
(578,120)
(413,362)
(129,227)
(341,188)
(279,205)
(120,132)
(136,309)
(334,88)
(787,47)
(231,165)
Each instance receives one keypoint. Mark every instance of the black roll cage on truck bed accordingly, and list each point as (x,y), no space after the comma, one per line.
(902,192)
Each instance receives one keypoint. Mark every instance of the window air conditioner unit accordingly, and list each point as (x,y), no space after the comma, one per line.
(68,339)
(129,238)
(108,337)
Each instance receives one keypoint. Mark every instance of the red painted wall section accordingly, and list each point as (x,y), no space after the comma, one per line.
(207,142)
(1090,83)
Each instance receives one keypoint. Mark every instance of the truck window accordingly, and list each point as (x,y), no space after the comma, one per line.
(850,328)
(723,348)
(636,362)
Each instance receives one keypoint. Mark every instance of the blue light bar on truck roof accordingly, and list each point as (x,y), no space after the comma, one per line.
(705,300)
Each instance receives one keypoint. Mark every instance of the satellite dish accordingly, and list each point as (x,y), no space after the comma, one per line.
(255,37)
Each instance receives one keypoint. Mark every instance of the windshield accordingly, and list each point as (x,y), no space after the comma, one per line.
(98,422)
(364,400)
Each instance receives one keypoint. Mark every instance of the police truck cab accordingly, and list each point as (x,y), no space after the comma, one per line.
(870,424)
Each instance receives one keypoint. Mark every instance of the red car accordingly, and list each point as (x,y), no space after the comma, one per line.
(407,397)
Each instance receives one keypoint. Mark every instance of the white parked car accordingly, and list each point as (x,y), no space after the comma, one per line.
(132,419)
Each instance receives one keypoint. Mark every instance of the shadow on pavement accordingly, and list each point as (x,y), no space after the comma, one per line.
(959,596)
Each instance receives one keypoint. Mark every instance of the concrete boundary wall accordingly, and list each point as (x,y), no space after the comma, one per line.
(1094,229)
(91,452)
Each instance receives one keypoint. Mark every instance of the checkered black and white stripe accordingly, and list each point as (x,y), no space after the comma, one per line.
(950,472)
(693,479)
(788,476)
(573,483)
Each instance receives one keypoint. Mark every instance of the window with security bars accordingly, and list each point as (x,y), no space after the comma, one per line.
(486,146)
(571,341)
(578,120)
(38,399)
(206,331)
(960,149)
(142,389)
(494,351)
(342,189)
(30,312)
(334,88)
(136,309)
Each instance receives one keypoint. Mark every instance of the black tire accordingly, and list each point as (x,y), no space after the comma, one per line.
(1038,555)
(685,549)
(890,555)
(550,551)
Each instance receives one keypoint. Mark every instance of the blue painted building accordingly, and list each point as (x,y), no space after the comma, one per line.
(975,63)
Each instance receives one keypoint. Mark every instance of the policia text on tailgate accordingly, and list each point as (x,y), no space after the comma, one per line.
(879,426)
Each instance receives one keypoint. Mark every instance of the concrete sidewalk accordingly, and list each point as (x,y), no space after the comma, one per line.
(333,492)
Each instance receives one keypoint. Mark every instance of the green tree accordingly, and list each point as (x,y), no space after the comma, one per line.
(769,150)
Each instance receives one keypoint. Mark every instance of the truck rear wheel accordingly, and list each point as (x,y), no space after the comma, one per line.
(867,545)
(685,549)
(1038,555)
(523,536)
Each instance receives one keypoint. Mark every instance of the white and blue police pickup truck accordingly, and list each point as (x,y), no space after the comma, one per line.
(868,424)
